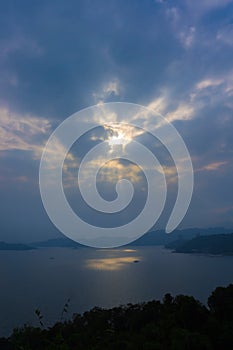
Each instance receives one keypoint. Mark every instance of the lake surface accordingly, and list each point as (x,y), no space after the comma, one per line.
(46,278)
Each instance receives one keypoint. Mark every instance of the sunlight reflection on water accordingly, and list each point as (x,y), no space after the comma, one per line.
(113,262)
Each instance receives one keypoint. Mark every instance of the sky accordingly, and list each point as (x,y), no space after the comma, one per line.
(58,57)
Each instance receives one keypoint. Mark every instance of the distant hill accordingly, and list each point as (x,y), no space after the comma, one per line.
(175,244)
(159,237)
(213,244)
(15,246)
(58,242)
(151,238)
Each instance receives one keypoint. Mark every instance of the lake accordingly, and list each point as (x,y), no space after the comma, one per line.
(46,278)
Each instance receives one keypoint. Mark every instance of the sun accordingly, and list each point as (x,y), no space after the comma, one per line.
(120,135)
(119,139)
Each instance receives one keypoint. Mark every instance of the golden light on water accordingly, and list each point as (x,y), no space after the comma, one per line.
(113,263)
(129,250)
(110,264)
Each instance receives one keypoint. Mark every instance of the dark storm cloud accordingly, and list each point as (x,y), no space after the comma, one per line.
(56,56)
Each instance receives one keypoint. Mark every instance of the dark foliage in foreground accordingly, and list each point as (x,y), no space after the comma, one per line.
(178,323)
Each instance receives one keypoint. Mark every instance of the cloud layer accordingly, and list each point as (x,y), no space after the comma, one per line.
(175,57)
